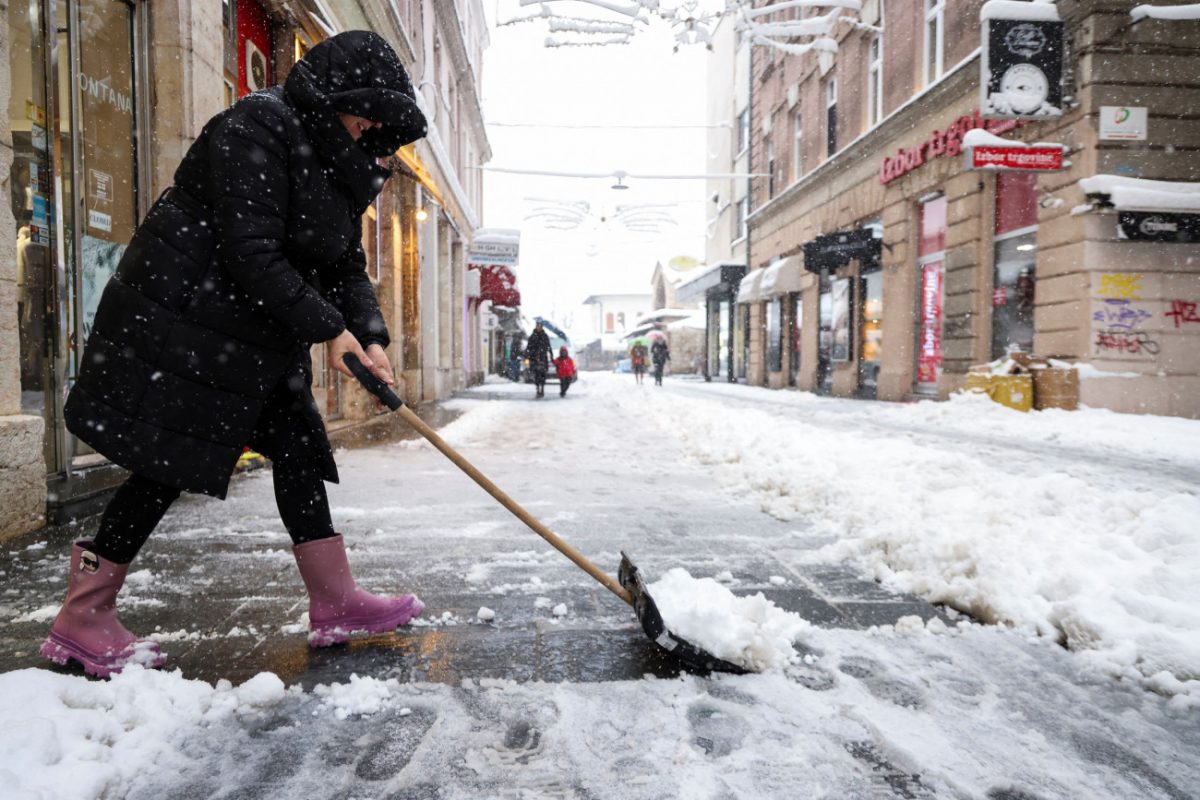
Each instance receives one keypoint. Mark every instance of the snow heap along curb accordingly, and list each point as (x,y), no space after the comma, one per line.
(751,632)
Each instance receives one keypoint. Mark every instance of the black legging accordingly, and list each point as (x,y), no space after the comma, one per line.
(139,505)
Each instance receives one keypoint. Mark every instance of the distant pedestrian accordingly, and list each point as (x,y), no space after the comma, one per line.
(638,356)
(660,354)
(514,360)
(537,353)
(565,367)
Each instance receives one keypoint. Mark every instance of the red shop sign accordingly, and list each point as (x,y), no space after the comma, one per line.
(1028,159)
(942,142)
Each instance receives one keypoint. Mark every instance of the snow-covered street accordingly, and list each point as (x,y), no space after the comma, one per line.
(1062,659)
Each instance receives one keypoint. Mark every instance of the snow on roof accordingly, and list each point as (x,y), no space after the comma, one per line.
(978,137)
(1018,9)
(1191,11)
(1138,194)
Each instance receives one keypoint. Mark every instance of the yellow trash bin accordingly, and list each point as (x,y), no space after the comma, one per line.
(1014,391)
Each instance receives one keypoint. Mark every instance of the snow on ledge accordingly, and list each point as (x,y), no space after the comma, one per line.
(1138,194)
(978,137)
(1019,9)
(1138,13)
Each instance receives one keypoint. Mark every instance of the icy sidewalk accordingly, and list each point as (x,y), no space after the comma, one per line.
(551,698)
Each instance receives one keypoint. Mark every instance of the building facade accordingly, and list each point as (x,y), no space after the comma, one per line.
(886,267)
(104,98)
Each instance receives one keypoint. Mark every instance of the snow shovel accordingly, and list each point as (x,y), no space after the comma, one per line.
(631,587)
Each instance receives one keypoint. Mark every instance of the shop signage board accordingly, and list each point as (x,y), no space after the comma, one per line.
(495,246)
(1123,123)
(1021,61)
(832,250)
(1158,226)
(1016,157)
(941,142)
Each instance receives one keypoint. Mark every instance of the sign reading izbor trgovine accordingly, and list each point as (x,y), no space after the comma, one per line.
(1021,60)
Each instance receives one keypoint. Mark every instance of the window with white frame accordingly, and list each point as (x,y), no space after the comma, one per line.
(935,39)
(770,147)
(797,144)
(743,130)
(831,116)
(875,81)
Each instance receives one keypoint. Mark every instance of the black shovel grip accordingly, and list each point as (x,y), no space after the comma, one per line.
(372,384)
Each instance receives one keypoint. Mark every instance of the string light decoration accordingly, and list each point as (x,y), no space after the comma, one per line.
(569,215)
(693,21)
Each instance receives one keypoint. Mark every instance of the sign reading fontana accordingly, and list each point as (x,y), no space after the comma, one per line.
(1017,157)
(944,142)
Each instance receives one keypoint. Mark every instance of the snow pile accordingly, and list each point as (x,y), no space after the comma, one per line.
(1138,194)
(751,632)
(1104,564)
(1184,12)
(1018,9)
(361,696)
(67,737)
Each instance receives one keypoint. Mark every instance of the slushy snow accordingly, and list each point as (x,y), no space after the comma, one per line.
(751,631)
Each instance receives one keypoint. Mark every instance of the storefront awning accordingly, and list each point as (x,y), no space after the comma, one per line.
(497,284)
(719,279)
(782,277)
(750,289)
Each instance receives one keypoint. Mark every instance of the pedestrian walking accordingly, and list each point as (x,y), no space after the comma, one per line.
(564,367)
(637,358)
(201,339)
(537,353)
(514,360)
(660,354)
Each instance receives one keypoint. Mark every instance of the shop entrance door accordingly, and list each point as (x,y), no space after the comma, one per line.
(78,190)
(825,336)
(870,331)
(931,269)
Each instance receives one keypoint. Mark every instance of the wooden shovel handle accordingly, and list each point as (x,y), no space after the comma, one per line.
(393,401)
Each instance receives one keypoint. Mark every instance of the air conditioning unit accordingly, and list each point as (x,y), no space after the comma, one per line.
(256,67)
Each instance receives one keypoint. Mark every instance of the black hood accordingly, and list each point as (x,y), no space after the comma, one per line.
(358,72)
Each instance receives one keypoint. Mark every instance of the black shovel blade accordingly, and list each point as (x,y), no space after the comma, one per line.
(692,656)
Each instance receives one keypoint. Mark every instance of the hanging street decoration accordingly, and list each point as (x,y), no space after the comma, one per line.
(780,25)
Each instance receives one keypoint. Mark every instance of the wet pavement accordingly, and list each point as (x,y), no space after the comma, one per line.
(580,704)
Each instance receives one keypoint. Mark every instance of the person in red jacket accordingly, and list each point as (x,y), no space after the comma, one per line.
(565,367)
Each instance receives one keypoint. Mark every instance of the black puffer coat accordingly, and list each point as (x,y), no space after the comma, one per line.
(200,341)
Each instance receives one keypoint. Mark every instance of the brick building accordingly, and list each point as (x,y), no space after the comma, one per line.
(882,267)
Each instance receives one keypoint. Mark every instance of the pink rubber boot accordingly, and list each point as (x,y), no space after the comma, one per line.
(336,606)
(87,629)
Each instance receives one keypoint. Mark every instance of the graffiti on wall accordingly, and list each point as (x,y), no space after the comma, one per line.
(1122,321)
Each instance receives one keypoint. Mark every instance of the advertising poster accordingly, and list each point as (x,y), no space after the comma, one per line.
(929,350)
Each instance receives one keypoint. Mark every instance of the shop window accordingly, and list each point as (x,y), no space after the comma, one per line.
(831,131)
(608,323)
(871,330)
(1015,263)
(774,335)
(795,326)
(935,39)
(931,264)
(875,81)
(825,335)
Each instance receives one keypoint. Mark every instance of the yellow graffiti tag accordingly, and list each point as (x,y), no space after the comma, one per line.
(1121,285)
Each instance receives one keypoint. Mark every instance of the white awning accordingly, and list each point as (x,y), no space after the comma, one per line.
(750,289)
(782,277)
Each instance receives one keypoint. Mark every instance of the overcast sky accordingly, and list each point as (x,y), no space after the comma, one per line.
(642,83)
